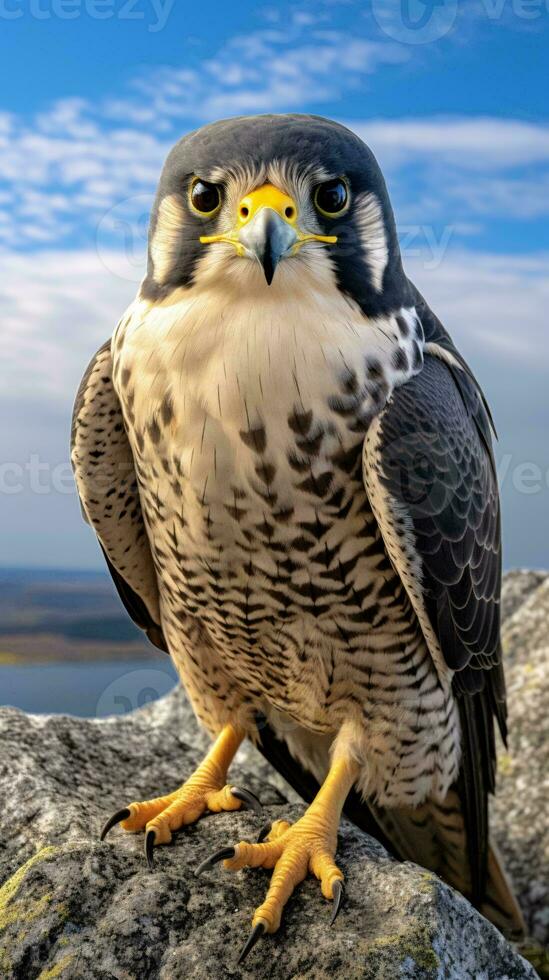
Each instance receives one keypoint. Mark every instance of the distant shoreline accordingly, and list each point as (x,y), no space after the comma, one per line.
(27,656)
(64,616)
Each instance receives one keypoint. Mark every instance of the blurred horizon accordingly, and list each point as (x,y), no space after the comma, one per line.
(68,645)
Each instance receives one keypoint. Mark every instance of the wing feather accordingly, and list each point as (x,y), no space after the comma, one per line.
(430,475)
(107,485)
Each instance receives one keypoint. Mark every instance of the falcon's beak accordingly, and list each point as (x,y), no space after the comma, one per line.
(267,229)
(267,238)
(267,219)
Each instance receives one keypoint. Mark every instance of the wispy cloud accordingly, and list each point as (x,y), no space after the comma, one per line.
(494,305)
(89,157)
(76,184)
(472,143)
(64,170)
(266,71)
(55,313)
(516,197)
(458,169)
(61,175)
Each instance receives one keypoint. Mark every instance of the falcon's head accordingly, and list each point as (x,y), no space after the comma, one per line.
(260,200)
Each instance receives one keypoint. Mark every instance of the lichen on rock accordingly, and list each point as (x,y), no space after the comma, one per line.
(73,908)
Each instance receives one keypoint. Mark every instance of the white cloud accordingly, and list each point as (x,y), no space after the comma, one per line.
(64,170)
(102,154)
(480,143)
(455,169)
(517,197)
(56,311)
(439,168)
(67,178)
(86,172)
(265,71)
(493,305)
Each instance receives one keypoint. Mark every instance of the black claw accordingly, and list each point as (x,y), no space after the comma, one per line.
(338,894)
(150,838)
(264,832)
(254,936)
(249,798)
(112,821)
(223,855)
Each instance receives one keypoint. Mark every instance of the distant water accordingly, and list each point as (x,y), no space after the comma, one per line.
(87,689)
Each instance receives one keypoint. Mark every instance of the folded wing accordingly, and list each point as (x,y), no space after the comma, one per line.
(107,485)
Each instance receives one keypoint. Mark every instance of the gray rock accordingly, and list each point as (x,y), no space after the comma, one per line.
(73,908)
(518,585)
(521,805)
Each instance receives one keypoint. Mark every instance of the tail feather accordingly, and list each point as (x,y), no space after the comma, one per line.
(500,905)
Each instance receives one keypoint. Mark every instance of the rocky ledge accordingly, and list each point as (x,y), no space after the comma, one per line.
(71,907)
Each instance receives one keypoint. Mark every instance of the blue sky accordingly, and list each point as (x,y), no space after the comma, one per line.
(452,97)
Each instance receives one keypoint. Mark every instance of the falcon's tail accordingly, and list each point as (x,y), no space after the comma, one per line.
(434,836)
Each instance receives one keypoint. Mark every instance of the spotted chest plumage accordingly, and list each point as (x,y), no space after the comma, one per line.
(252,491)
(301,511)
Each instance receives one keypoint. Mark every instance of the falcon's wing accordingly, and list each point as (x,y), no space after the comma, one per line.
(430,476)
(107,485)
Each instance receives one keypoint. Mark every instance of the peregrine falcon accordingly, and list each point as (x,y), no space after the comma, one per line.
(288,465)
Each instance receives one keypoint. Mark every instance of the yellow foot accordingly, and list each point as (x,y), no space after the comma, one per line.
(292,850)
(204,790)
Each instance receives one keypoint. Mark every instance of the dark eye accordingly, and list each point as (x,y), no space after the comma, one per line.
(331,198)
(205,197)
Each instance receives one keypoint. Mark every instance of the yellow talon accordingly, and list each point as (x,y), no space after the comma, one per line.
(294,850)
(205,790)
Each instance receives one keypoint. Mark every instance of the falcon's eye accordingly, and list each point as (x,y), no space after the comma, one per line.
(205,197)
(331,198)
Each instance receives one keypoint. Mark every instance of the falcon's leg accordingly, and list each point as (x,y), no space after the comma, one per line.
(206,789)
(294,850)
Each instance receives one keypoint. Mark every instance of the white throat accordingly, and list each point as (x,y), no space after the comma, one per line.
(234,334)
